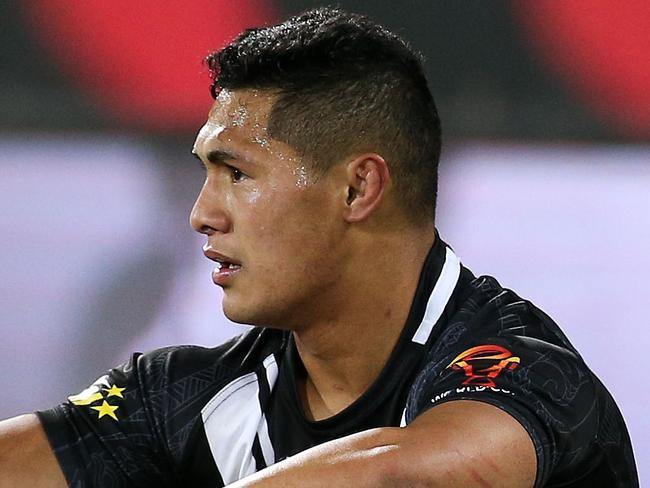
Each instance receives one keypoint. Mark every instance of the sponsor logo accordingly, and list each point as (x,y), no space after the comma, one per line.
(483,364)
(99,397)
(469,389)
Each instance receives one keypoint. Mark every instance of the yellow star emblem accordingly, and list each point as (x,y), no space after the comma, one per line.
(114,391)
(106,409)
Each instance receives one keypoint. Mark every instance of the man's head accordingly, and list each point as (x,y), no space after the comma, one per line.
(344,86)
(320,148)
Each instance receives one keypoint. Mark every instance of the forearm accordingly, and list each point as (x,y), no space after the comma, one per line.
(441,448)
(25,455)
(361,460)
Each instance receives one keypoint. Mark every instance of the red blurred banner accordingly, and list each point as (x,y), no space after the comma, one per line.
(601,50)
(142,60)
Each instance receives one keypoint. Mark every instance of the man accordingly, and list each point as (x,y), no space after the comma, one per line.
(378,360)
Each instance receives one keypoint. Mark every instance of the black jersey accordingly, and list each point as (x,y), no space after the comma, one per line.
(192,416)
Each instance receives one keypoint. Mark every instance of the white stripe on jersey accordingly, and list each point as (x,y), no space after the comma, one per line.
(232,419)
(263,432)
(440,295)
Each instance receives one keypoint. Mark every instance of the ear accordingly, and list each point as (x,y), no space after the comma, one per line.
(368,179)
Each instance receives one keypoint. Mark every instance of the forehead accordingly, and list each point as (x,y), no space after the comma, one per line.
(237,125)
(237,117)
(240,108)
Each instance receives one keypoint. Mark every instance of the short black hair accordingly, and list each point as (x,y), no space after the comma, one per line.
(344,85)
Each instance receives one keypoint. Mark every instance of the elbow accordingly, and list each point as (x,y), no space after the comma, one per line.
(383,466)
(390,466)
(397,471)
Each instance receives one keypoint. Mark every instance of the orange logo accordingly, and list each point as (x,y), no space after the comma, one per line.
(482,364)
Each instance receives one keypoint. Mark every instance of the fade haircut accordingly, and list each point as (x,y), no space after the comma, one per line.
(345,85)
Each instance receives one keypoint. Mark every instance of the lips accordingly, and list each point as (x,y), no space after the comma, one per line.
(222,275)
(226,267)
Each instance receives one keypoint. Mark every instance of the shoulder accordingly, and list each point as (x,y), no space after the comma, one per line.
(494,337)
(141,415)
(501,349)
(207,369)
(483,308)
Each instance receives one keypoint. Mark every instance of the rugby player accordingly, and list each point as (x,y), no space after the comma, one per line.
(378,359)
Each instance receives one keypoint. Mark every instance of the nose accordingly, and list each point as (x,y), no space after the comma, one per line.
(208,215)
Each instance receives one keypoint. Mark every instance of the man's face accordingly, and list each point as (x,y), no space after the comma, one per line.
(262,211)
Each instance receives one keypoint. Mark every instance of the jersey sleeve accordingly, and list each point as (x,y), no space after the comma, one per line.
(108,435)
(547,388)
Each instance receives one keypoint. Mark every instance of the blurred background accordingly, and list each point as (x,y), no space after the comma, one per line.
(545,177)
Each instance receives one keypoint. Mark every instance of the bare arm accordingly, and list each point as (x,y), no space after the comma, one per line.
(456,444)
(26,458)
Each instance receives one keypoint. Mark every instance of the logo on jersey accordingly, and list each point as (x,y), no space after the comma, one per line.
(100,391)
(482,364)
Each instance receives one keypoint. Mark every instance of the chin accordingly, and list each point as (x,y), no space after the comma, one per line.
(236,313)
(247,313)
(241,311)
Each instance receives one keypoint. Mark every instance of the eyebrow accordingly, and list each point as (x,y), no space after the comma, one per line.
(217,155)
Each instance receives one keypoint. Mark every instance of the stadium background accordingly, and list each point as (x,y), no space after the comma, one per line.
(545,178)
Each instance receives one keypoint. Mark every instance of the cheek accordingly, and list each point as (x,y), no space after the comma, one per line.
(288,231)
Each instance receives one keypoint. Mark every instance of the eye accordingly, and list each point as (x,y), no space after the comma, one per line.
(236,175)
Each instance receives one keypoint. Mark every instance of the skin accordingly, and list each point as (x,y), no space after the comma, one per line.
(334,259)
(25,455)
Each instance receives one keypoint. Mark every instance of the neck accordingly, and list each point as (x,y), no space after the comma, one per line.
(359,325)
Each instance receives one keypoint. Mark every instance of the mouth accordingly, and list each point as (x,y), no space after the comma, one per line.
(226,266)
